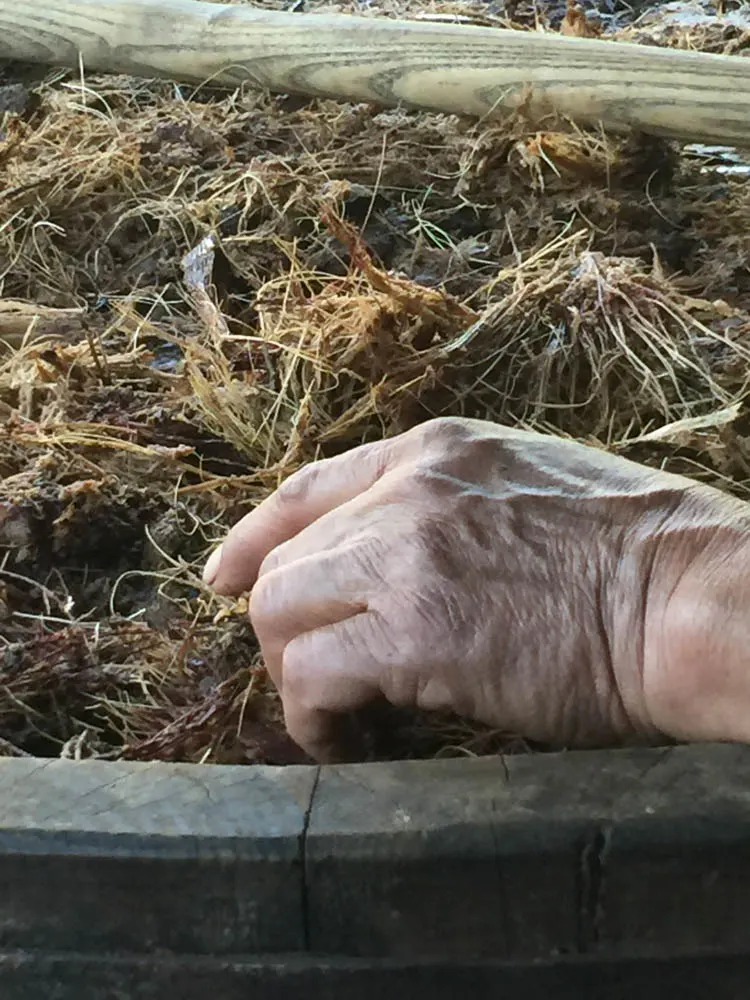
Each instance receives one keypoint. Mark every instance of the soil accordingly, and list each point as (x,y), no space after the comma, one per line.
(350,271)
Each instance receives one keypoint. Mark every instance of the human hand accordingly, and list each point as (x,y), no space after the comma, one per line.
(540,586)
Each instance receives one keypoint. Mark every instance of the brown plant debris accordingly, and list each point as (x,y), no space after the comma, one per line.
(202,291)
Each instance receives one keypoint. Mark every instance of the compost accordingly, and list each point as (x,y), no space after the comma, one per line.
(203,290)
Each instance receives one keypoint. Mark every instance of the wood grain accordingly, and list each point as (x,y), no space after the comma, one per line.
(451,68)
(44,976)
(118,857)
(638,851)
(634,852)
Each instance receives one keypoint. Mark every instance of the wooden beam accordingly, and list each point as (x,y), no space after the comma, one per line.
(615,853)
(460,69)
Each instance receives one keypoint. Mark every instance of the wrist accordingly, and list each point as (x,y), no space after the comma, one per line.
(696,650)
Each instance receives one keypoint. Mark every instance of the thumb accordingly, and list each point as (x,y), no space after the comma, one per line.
(304,497)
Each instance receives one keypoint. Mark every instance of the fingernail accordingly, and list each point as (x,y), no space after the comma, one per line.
(211,569)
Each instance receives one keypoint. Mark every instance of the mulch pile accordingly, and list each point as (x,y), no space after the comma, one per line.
(202,291)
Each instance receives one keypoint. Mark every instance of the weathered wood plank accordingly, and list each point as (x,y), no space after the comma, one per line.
(453,858)
(401,860)
(450,68)
(132,857)
(674,866)
(619,852)
(25,976)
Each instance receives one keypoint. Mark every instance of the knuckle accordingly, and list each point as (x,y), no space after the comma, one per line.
(432,479)
(424,484)
(443,431)
(266,599)
(296,488)
(467,446)
(272,561)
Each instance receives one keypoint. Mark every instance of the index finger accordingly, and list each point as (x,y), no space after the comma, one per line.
(306,496)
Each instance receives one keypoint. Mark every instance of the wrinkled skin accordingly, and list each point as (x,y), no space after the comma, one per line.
(544,587)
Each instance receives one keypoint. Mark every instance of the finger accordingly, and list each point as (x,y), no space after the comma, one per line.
(317,590)
(328,674)
(306,496)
